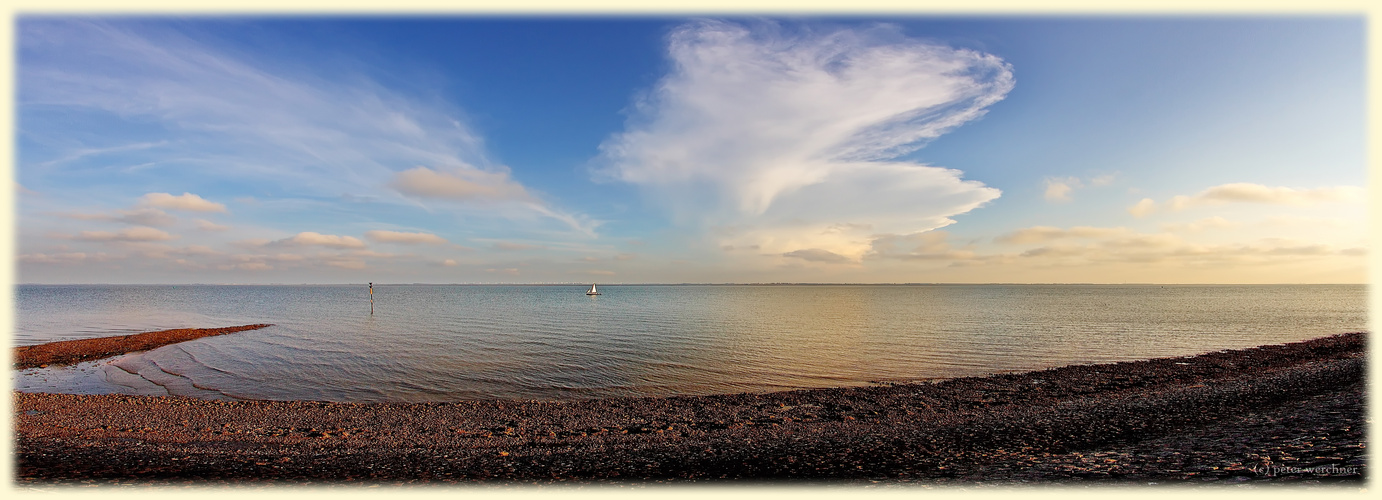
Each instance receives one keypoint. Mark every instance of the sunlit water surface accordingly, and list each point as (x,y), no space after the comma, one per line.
(440,343)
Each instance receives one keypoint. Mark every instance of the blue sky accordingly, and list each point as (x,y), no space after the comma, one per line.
(645,150)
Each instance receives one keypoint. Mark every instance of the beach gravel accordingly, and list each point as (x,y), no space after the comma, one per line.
(1284,413)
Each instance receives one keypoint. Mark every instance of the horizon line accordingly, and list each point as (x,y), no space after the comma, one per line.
(763,283)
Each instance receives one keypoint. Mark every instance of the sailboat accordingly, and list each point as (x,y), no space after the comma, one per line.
(592,290)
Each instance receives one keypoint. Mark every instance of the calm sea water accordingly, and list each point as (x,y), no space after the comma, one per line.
(440,343)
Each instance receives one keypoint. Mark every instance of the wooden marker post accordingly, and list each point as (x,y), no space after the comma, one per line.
(371,297)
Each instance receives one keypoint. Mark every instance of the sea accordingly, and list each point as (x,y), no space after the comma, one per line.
(551,342)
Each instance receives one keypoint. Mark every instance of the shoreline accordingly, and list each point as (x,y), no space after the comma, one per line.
(75,351)
(1248,415)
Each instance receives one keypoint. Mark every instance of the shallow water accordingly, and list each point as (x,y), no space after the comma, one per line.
(439,343)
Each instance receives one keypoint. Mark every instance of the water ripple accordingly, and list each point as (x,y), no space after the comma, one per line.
(438,343)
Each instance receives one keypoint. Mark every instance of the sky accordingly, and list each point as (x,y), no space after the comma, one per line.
(903,149)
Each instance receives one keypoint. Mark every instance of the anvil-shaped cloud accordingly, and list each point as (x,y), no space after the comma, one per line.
(782,138)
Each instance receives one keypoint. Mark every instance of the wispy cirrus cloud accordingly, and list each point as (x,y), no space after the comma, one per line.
(198,110)
(80,153)
(776,135)
(491,189)
(237,116)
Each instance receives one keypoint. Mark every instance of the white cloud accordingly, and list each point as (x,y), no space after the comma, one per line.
(148,250)
(61,258)
(138,217)
(1041,234)
(1143,208)
(405,238)
(1169,249)
(1058,189)
(817,255)
(1302,250)
(255,262)
(324,240)
(595,272)
(347,263)
(1243,192)
(782,135)
(146,217)
(260,262)
(372,253)
(198,250)
(186,201)
(1215,222)
(1119,245)
(511,246)
(206,225)
(449,262)
(931,245)
(1298,221)
(250,243)
(1139,241)
(246,266)
(130,235)
(460,184)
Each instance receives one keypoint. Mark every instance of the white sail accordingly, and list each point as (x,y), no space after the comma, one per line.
(592,288)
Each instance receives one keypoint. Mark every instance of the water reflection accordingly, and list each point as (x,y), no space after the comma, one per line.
(431,343)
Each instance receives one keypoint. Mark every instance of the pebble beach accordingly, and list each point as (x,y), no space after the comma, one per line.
(1292,413)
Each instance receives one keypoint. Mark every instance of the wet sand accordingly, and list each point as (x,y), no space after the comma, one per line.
(74,351)
(1287,413)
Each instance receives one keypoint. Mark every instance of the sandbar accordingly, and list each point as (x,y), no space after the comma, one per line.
(74,351)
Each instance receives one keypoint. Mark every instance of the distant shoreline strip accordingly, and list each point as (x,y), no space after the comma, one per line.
(75,351)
